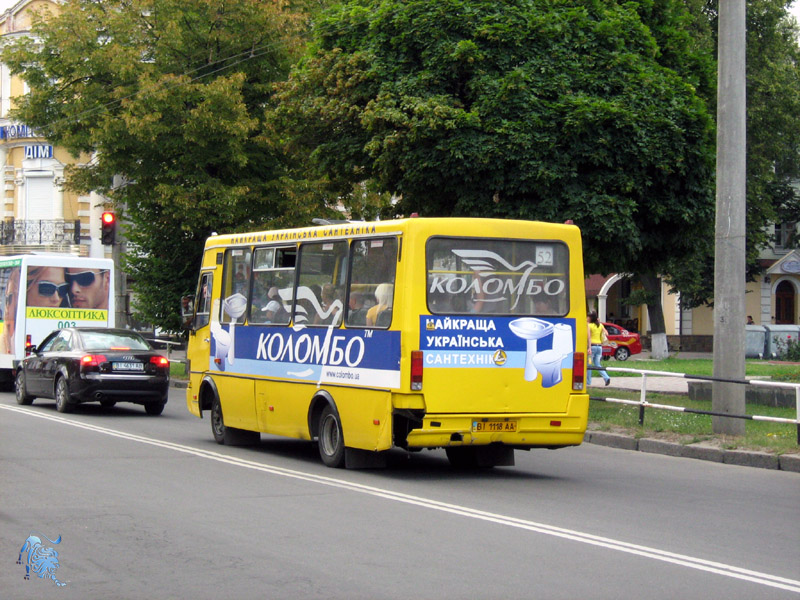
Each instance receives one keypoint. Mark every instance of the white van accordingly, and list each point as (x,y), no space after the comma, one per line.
(43,292)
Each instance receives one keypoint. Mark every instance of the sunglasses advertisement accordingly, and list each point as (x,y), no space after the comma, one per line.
(39,294)
(60,287)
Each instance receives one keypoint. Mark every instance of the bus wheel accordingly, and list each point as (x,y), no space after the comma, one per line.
(63,403)
(230,436)
(461,457)
(217,424)
(473,457)
(331,439)
(19,387)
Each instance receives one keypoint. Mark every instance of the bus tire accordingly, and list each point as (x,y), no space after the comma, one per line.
(229,436)
(63,401)
(331,438)
(462,457)
(19,387)
(484,457)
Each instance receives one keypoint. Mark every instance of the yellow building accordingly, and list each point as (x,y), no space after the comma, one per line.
(37,213)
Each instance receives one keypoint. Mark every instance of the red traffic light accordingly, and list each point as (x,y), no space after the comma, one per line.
(108,230)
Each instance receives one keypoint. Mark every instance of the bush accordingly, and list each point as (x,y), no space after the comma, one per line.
(789,349)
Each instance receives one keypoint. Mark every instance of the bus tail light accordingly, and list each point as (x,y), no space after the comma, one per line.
(28,344)
(416,370)
(578,369)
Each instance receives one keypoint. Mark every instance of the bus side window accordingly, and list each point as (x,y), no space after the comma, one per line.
(273,285)
(235,285)
(320,283)
(373,264)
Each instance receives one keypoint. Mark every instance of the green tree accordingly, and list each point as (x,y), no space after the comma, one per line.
(169,96)
(535,109)
(773,134)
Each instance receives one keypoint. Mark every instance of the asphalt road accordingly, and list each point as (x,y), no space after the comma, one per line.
(151,507)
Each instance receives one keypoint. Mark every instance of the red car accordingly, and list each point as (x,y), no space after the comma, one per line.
(622,343)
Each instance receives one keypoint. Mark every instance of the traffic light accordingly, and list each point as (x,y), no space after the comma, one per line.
(109,228)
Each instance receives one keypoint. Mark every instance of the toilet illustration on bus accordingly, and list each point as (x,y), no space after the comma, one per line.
(547,362)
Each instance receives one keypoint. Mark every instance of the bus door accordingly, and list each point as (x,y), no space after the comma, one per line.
(499,336)
(199,351)
(235,382)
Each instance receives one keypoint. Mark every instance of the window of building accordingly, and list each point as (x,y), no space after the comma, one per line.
(785,235)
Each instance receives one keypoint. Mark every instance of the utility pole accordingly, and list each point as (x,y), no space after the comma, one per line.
(729,261)
(120,285)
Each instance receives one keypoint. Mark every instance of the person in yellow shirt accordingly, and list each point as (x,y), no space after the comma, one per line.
(596,335)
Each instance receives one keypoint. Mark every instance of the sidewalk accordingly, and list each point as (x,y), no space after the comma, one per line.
(663,385)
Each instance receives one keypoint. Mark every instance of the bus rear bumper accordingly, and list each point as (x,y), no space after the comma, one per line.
(519,431)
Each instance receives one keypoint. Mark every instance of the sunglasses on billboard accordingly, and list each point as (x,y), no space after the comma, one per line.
(83,279)
(48,288)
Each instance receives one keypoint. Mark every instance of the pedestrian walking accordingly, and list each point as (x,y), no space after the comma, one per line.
(597,335)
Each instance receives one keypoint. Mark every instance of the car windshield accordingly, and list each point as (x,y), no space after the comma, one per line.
(101,340)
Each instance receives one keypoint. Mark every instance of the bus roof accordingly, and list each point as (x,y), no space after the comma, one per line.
(467,226)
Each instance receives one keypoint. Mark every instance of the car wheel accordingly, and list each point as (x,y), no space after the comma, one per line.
(331,438)
(154,408)
(22,393)
(622,353)
(63,402)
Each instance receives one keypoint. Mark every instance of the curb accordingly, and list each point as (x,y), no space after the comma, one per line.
(701,451)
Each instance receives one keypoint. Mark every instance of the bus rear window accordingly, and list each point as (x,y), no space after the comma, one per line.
(500,277)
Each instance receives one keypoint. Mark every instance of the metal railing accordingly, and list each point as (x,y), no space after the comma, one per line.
(642,403)
(39,232)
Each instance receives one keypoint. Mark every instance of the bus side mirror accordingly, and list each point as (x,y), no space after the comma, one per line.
(187,311)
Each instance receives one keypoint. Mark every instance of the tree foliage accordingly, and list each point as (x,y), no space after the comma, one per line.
(773,136)
(535,109)
(168,95)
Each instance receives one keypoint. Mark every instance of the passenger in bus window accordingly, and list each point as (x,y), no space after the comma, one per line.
(383,294)
(331,307)
(88,288)
(47,287)
(357,315)
(275,313)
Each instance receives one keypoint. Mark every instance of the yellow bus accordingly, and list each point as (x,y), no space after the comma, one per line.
(420,333)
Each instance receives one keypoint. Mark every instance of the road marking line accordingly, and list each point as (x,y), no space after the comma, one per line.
(691,562)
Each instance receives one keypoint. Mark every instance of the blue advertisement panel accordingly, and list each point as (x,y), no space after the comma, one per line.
(364,358)
(536,347)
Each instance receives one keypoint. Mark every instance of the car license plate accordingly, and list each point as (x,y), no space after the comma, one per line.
(493,426)
(128,366)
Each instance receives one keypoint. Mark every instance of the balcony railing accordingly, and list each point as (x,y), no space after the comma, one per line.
(40,232)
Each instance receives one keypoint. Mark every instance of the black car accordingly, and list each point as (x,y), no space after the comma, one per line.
(75,365)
